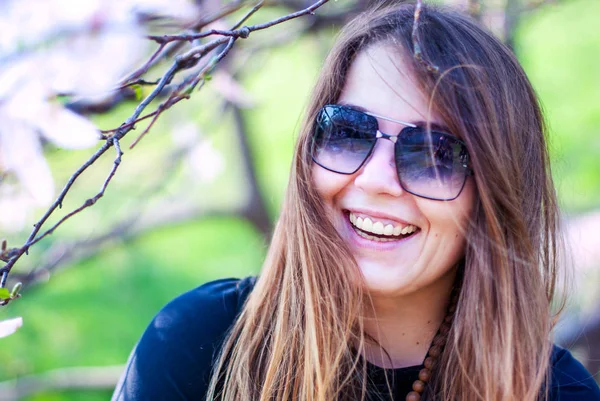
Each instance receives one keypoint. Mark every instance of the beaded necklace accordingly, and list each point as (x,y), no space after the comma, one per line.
(435,349)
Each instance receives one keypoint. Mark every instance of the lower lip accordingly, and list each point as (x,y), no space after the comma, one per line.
(361,242)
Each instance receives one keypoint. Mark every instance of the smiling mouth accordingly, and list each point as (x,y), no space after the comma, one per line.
(373,230)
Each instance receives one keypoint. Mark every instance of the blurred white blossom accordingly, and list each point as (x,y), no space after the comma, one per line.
(60,47)
(25,118)
(584,250)
(202,160)
(9,326)
(79,48)
(231,90)
(185,135)
(205,161)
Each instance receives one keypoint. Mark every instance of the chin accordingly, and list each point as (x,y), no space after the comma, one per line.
(379,280)
(404,279)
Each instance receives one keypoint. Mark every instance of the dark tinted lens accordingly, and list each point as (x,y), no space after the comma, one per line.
(431,164)
(343,138)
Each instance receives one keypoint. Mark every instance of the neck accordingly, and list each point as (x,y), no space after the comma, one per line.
(405,325)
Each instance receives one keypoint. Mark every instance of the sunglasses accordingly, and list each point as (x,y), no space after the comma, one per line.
(430,164)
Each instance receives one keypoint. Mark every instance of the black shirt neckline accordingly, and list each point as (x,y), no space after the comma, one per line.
(400,381)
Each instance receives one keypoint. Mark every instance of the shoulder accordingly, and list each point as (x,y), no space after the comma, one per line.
(174,357)
(207,310)
(570,381)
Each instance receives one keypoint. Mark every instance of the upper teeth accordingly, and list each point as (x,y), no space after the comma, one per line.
(377,227)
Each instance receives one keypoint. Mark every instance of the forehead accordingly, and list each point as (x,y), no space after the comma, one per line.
(380,81)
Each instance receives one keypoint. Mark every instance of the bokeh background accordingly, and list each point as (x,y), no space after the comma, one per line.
(196,199)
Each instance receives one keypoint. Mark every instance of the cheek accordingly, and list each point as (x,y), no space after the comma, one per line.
(329,184)
(449,221)
(465,206)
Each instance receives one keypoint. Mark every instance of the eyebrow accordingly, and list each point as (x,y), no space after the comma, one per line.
(419,123)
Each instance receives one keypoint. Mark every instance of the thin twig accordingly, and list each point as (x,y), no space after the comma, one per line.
(309,10)
(58,203)
(156,113)
(475,9)
(418,54)
(208,68)
(131,124)
(90,201)
(144,68)
(235,30)
(176,98)
(164,39)
(179,64)
(229,8)
(194,54)
(138,82)
(170,47)
(60,254)
(185,61)
(133,226)
(248,15)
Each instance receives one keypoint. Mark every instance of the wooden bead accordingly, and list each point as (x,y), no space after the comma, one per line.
(435,351)
(418,386)
(429,362)
(413,396)
(425,375)
(439,340)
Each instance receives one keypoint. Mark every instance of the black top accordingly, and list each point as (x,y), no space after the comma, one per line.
(174,357)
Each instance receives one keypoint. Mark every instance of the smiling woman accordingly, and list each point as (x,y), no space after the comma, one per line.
(398,184)
(406,273)
(416,252)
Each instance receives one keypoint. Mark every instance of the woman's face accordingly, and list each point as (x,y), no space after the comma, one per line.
(379,82)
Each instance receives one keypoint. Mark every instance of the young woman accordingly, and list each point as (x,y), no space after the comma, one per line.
(416,252)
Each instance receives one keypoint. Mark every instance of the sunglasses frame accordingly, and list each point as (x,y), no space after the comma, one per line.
(393,138)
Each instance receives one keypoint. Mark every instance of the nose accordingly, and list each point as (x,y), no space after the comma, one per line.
(378,175)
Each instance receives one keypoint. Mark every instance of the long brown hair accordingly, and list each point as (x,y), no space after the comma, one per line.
(293,339)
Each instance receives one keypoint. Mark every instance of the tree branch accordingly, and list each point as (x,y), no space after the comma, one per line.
(256,209)
(417,52)
(144,68)
(182,62)
(475,8)
(90,201)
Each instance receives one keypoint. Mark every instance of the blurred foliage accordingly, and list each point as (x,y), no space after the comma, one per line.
(93,313)
(559,49)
